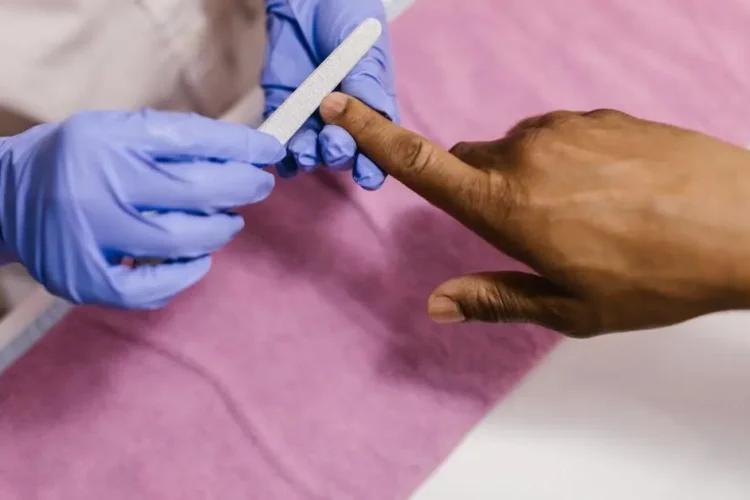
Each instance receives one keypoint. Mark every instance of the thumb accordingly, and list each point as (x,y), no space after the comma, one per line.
(504,297)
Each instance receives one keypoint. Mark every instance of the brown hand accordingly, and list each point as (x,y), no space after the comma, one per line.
(630,224)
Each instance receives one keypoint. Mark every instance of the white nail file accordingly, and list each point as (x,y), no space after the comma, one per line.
(292,114)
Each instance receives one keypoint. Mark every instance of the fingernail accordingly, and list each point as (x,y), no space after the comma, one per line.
(333,106)
(444,310)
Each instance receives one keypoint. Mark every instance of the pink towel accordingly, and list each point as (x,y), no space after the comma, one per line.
(304,366)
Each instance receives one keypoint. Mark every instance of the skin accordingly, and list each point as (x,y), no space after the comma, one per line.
(628,224)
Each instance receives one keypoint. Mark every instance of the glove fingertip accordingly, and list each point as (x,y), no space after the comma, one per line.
(263,185)
(178,277)
(337,147)
(369,91)
(265,149)
(367,175)
(304,148)
(152,287)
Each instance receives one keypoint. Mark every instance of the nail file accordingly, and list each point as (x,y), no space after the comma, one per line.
(292,114)
(298,107)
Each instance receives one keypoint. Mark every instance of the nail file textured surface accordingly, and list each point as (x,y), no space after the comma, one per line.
(304,101)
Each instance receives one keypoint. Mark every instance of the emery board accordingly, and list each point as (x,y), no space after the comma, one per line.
(292,114)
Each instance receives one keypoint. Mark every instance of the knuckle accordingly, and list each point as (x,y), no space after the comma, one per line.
(364,123)
(488,305)
(414,153)
(461,150)
(528,148)
(605,114)
(511,192)
(555,119)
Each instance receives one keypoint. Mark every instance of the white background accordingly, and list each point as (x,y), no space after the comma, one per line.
(650,415)
(662,415)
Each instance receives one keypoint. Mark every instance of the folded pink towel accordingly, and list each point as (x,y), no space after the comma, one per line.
(305,367)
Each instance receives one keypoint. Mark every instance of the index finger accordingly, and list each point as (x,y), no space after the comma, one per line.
(425,168)
(178,135)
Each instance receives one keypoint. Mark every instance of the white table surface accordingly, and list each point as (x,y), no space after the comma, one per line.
(652,415)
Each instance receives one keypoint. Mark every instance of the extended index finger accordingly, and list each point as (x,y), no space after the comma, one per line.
(427,169)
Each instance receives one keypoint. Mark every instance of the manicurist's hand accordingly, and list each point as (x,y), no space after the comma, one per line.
(301,34)
(75,198)
(630,224)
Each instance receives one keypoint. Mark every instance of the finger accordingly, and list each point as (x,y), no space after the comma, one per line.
(201,186)
(303,147)
(274,95)
(170,134)
(371,81)
(372,84)
(366,174)
(430,171)
(172,235)
(152,287)
(280,78)
(337,147)
(505,297)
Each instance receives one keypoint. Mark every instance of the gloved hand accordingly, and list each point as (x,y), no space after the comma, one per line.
(301,34)
(72,196)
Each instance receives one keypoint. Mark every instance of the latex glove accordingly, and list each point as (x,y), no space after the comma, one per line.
(629,224)
(71,197)
(301,34)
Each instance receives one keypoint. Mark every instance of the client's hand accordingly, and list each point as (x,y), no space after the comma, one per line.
(630,224)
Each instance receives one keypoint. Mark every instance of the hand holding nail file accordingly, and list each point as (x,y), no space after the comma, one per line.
(301,35)
(305,101)
(75,193)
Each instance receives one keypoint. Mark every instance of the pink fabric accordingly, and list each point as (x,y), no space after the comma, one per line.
(304,366)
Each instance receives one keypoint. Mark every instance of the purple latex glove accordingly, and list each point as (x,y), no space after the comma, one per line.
(301,34)
(72,197)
